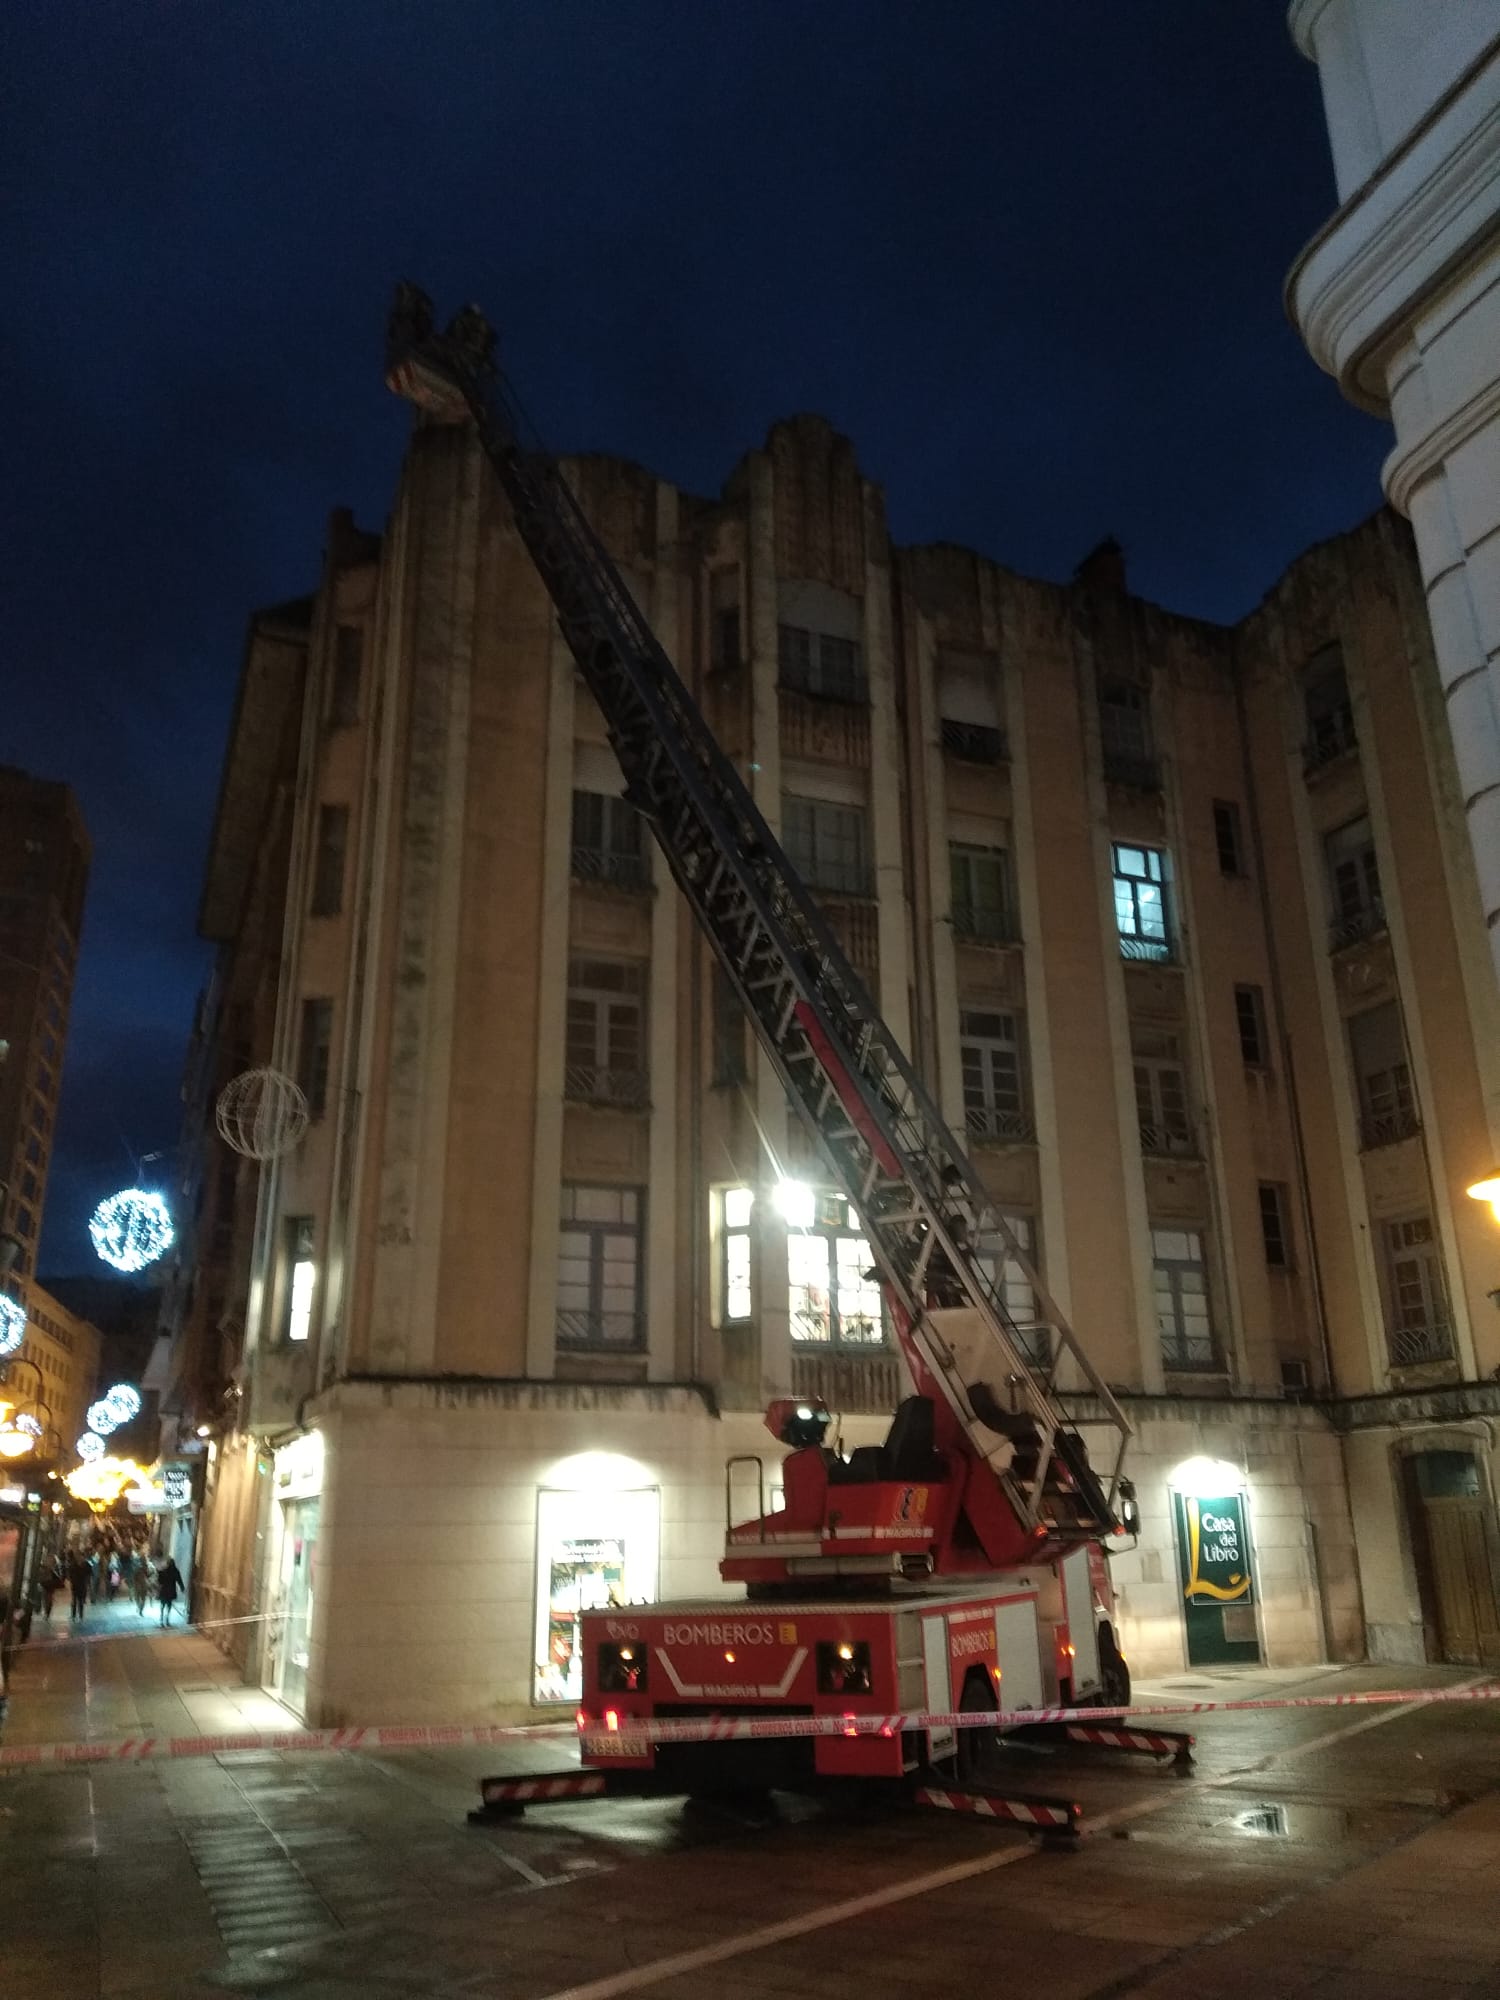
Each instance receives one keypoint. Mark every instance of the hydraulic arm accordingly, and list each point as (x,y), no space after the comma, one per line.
(934,1234)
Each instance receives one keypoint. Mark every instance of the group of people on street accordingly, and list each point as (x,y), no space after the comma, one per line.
(96,1574)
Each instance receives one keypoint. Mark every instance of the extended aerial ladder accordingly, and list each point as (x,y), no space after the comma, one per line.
(933,1231)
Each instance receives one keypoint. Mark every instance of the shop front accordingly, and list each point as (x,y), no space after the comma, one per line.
(598,1523)
(1209,1509)
(297,1487)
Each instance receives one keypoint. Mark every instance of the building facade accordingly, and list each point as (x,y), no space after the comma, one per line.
(1177,920)
(1398,297)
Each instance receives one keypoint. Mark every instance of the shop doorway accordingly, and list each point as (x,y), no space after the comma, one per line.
(296,1582)
(1453,1536)
(595,1549)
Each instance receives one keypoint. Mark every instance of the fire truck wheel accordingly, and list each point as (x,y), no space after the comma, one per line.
(1113,1672)
(974,1745)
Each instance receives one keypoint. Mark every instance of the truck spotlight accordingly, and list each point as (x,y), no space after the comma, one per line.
(844,1669)
(622,1670)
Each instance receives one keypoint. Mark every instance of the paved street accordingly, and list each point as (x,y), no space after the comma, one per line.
(1323,1853)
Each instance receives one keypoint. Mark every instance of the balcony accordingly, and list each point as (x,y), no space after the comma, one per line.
(619,1089)
(1355,925)
(613,868)
(1169,1142)
(1413,1345)
(974,742)
(1134,769)
(853,1384)
(1332,737)
(1387,1128)
(982,923)
(1148,950)
(601,1332)
(1186,1354)
(988,1121)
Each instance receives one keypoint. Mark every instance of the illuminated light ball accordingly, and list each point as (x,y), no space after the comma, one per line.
(101,1418)
(261,1114)
(124,1401)
(12,1325)
(90,1445)
(131,1229)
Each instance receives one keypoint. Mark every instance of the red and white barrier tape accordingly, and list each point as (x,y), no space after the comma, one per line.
(711,1729)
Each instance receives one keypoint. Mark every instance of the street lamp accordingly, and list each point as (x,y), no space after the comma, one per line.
(1487,1189)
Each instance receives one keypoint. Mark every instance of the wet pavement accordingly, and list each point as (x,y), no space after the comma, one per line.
(1340,1854)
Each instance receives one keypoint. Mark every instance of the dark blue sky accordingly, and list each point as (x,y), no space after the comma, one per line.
(1030,258)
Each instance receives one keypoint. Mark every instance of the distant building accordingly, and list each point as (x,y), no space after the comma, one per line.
(44,867)
(65,1349)
(1178,921)
(1398,296)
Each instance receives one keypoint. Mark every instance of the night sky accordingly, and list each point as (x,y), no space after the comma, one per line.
(1029,257)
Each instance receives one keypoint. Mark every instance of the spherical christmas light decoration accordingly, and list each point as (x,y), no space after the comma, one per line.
(261,1114)
(131,1229)
(90,1445)
(12,1325)
(124,1401)
(101,1418)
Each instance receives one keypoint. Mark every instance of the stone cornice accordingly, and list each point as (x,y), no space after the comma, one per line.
(1435,201)
(1302,22)
(1416,459)
(512,1394)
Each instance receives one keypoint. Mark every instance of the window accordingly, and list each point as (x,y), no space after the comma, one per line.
(736,1206)
(599,1268)
(969,709)
(983,900)
(1273,1228)
(1387,1104)
(1142,906)
(1416,1295)
(606,1033)
(299,1278)
(313,1054)
(1330,717)
(726,638)
(348,669)
(1161,1099)
(826,844)
(1228,838)
(1353,884)
(816,663)
(1125,735)
(328,861)
(1250,1019)
(731,1060)
(1000,1265)
(993,1076)
(833,1302)
(609,841)
(1181,1282)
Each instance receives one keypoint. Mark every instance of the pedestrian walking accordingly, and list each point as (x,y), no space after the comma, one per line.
(140,1580)
(168,1583)
(80,1576)
(54,1576)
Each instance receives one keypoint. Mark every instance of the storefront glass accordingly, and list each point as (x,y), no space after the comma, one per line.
(594,1548)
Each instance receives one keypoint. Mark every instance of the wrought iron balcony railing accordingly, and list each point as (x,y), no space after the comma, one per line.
(1191,1354)
(1155,951)
(1178,1142)
(617,870)
(988,1121)
(848,1382)
(985,923)
(622,1089)
(1409,1346)
(1133,769)
(1353,926)
(974,742)
(601,1332)
(1387,1128)
(1332,735)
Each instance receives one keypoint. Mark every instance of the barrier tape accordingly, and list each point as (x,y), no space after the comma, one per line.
(632,1736)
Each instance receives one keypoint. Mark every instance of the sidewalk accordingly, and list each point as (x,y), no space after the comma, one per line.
(120,1673)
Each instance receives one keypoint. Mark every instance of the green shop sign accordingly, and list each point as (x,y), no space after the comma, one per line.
(1214,1549)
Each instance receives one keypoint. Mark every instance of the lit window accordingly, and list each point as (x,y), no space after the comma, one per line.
(1142,901)
(835,1299)
(737,1205)
(301,1276)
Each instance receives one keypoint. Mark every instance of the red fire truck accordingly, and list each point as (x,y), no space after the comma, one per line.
(955,1568)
